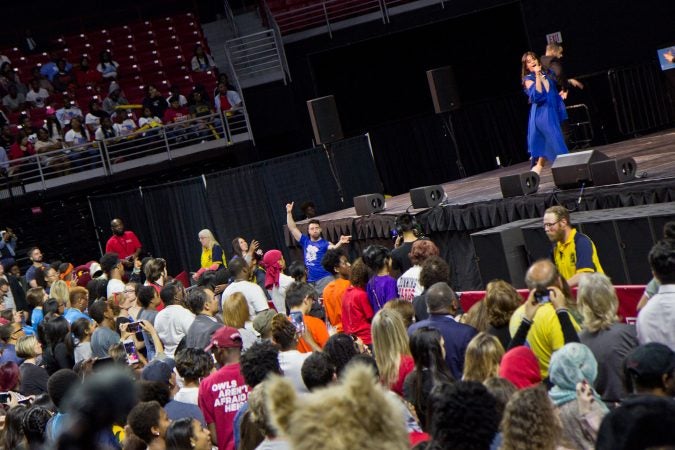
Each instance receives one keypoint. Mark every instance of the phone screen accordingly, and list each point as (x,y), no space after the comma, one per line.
(134,327)
(296,319)
(542,296)
(132,354)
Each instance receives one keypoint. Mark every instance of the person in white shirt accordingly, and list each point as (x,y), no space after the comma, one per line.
(68,112)
(124,123)
(77,135)
(113,269)
(37,96)
(656,321)
(107,66)
(202,61)
(226,100)
(173,322)
(192,364)
(285,335)
(255,297)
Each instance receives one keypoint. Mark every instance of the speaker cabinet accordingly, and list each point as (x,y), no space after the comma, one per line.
(443,87)
(519,184)
(368,204)
(613,171)
(501,254)
(427,196)
(325,120)
(572,169)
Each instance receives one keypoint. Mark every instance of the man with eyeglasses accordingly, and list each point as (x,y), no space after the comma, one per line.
(573,253)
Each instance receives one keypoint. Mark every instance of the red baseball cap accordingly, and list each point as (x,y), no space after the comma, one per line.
(225,337)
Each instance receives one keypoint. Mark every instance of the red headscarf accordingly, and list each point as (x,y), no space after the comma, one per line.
(272,268)
(520,367)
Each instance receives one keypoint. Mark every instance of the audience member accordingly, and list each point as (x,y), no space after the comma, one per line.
(482,358)
(33,376)
(58,352)
(276,281)
(442,306)
(236,315)
(407,232)
(408,284)
(14,101)
(573,371)
(501,301)
(530,422)
(609,340)
(404,308)
(223,393)
(318,371)
(434,270)
(312,423)
(520,366)
(114,98)
(174,321)
(391,349)
(427,348)
(187,434)
(82,330)
(341,348)
(149,422)
(255,297)
(299,298)
(106,66)
(381,287)
(202,61)
(285,336)
(226,99)
(104,335)
(155,102)
(357,313)
(204,306)
(655,321)
(192,365)
(550,326)
(60,386)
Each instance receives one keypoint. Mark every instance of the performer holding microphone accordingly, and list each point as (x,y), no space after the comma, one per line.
(544,136)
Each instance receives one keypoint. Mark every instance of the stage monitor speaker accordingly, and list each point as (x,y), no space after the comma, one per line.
(443,87)
(572,169)
(519,184)
(613,171)
(427,196)
(325,120)
(368,204)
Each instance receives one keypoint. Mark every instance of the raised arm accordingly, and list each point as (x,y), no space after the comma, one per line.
(292,227)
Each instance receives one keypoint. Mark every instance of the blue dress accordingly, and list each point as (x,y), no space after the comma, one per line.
(544,136)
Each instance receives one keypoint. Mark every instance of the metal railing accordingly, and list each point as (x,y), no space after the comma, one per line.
(257,55)
(640,99)
(147,145)
(229,15)
(327,13)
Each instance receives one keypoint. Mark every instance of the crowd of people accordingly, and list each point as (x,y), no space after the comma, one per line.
(47,119)
(371,353)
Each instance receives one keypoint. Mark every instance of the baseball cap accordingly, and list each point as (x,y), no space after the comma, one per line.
(158,370)
(262,322)
(653,359)
(95,270)
(225,337)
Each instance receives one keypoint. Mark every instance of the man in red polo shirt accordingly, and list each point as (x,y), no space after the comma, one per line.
(124,243)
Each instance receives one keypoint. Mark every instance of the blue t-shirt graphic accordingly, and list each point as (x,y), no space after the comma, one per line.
(314,251)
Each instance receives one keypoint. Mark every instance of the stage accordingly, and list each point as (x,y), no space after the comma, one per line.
(475,203)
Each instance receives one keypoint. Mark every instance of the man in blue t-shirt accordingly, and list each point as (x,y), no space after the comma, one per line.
(313,247)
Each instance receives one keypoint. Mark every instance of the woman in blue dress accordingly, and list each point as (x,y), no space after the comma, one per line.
(544,137)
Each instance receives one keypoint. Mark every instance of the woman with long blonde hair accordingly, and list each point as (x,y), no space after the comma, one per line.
(212,252)
(483,355)
(392,349)
(236,315)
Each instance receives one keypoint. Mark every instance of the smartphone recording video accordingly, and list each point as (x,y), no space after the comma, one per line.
(132,354)
(296,319)
(542,296)
(134,327)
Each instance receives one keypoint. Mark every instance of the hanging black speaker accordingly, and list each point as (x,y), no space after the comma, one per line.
(520,184)
(444,92)
(325,120)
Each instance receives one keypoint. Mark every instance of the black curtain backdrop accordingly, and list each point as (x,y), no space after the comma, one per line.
(419,151)
(127,206)
(176,213)
(248,201)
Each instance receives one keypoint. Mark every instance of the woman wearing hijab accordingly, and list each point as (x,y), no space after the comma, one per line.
(276,281)
(520,367)
(573,371)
